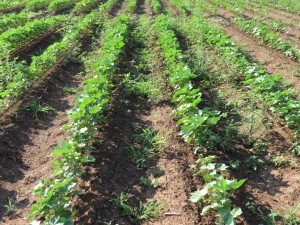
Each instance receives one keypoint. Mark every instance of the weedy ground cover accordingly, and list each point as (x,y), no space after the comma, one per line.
(225,104)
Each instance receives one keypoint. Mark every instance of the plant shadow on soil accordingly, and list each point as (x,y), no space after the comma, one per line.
(260,181)
(114,171)
(20,132)
(26,141)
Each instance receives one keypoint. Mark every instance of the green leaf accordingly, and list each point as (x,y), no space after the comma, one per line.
(198,195)
(87,159)
(223,211)
(60,150)
(236,184)
(236,212)
(207,208)
(228,220)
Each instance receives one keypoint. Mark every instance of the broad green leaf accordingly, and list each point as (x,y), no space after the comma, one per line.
(207,208)
(223,211)
(198,195)
(228,220)
(236,212)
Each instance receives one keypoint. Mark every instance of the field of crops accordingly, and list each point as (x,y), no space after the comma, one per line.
(161,112)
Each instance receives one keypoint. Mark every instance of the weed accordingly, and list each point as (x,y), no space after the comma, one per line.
(234,164)
(10,207)
(145,146)
(144,211)
(144,86)
(295,148)
(290,216)
(70,90)
(253,123)
(108,223)
(259,147)
(150,182)
(253,161)
(252,206)
(37,108)
(278,160)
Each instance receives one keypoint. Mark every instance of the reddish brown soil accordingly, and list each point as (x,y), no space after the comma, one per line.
(292,33)
(33,43)
(147,8)
(269,187)
(26,143)
(168,5)
(114,170)
(38,48)
(118,8)
(177,179)
(13,10)
(284,15)
(273,61)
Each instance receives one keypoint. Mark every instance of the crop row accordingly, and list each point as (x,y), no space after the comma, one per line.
(260,31)
(262,12)
(6,5)
(179,5)
(157,6)
(85,5)
(196,127)
(16,77)
(51,5)
(59,5)
(56,193)
(270,88)
(289,5)
(13,20)
(15,38)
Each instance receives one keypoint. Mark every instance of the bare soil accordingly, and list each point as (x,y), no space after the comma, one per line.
(27,142)
(115,172)
(273,61)
(29,46)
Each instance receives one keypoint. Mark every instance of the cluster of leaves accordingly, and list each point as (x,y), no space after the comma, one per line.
(132,6)
(179,5)
(196,123)
(236,7)
(156,6)
(144,147)
(289,5)
(17,37)
(12,20)
(109,5)
(59,5)
(16,77)
(10,5)
(270,88)
(217,190)
(56,193)
(35,5)
(257,29)
(144,211)
(266,36)
(84,5)
(202,7)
